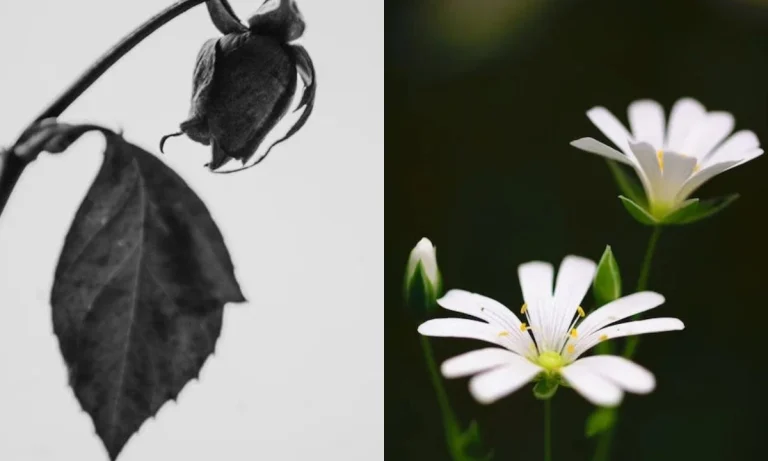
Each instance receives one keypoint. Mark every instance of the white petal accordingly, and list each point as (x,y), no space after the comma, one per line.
(628,375)
(733,148)
(611,127)
(707,134)
(481,307)
(646,118)
(536,284)
(686,114)
(472,329)
(648,168)
(702,176)
(596,147)
(677,169)
(476,361)
(573,281)
(751,155)
(592,386)
(619,309)
(638,327)
(500,382)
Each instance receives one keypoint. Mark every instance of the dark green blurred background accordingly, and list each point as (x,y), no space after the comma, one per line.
(483,97)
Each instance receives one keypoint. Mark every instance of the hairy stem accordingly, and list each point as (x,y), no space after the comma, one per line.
(11,165)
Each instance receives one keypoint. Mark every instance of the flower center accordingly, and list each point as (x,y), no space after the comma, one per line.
(550,361)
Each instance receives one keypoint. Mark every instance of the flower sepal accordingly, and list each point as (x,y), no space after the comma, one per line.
(638,212)
(546,387)
(694,210)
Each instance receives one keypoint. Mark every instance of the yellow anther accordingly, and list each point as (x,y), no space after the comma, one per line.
(574,333)
(504,333)
(580,310)
(603,337)
(524,309)
(660,156)
(524,326)
(571,348)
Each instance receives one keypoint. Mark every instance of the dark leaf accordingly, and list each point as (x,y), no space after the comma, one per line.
(139,291)
(638,212)
(695,210)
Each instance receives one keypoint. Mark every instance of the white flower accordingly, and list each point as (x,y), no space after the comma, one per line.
(673,162)
(559,339)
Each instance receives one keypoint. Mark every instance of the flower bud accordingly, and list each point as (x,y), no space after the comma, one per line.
(245,81)
(423,282)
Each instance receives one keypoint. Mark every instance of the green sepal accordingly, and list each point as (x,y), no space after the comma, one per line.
(638,212)
(606,286)
(600,420)
(628,185)
(545,388)
(695,210)
(419,292)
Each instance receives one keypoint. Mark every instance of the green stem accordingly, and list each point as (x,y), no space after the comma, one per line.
(11,165)
(450,424)
(603,449)
(642,284)
(548,430)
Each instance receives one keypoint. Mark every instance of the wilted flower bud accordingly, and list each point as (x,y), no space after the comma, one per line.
(423,283)
(245,81)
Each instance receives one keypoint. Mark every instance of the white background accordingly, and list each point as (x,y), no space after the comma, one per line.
(298,371)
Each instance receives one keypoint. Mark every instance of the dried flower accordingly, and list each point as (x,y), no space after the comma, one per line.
(245,81)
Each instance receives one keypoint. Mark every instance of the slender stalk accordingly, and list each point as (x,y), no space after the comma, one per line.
(603,448)
(449,418)
(11,165)
(548,430)
(642,284)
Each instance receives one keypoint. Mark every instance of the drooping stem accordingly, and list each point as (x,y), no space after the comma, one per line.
(548,430)
(450,424)
(11,165)
(603,448)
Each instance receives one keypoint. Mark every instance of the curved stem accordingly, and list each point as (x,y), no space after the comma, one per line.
(603,449)
(449,418)
(11,165)
(548,430)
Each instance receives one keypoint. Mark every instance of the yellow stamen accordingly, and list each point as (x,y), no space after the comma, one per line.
(504,333)
(580,310)
(574,333)
(524,326)
(603,337)
(524,309)
(570,348)
(660,156)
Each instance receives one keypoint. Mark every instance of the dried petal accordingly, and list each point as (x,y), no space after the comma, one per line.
(224,17)
(280,19)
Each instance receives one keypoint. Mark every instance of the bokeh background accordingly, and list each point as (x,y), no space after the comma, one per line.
(483,97)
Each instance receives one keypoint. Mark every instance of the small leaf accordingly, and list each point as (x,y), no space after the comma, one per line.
(638,212)
(545,389)
(695,210)
(139,291)
(599,421)
(468,445)
(606,286)
(627,184)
